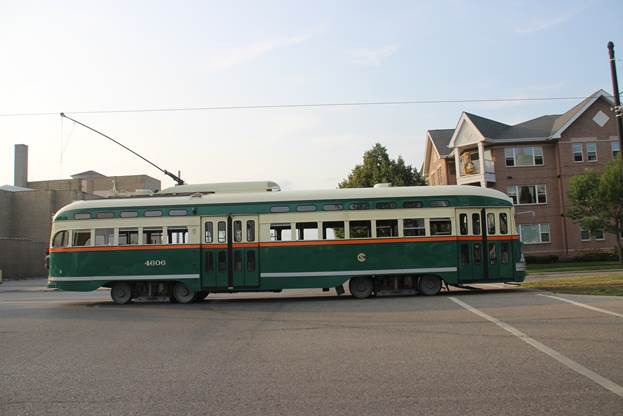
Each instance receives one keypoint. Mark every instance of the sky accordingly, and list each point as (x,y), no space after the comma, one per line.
(93,55)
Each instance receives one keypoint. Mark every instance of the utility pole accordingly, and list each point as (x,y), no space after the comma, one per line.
(618,110)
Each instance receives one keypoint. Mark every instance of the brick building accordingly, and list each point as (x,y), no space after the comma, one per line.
(533,163)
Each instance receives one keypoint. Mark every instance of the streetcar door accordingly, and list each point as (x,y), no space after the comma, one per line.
(470,245)
(214,252)
(499,240)
(245,252)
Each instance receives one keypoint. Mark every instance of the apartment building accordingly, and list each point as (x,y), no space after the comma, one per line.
(532,162)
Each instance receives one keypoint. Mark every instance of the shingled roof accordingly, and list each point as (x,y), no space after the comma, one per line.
(441,139)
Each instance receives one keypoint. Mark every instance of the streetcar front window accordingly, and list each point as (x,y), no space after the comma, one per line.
(81,238)
(61,239)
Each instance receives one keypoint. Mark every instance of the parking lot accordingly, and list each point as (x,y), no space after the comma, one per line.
(498,351)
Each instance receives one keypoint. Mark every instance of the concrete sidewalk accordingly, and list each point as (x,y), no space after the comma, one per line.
(37,284)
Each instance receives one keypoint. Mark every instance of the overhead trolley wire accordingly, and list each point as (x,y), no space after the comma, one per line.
(300,105)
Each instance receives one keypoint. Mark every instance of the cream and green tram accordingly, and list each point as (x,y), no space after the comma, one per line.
(388,240)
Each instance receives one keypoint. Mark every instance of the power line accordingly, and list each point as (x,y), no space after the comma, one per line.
(305,105)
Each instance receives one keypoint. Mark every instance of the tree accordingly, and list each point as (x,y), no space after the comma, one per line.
(377,167)
(597,201)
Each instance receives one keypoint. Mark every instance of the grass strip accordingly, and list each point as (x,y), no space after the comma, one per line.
(573,266)
(609,285)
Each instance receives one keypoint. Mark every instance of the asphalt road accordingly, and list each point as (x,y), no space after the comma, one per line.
(309,353)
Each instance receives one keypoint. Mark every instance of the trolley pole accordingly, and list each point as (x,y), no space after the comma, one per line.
(618,110)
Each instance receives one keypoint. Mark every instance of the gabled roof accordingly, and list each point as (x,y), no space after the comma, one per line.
(441,140)
(88,174)
(488,128)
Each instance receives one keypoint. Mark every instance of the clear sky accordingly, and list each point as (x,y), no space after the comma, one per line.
(93,55)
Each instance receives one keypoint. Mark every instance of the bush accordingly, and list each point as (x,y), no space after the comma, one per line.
(541,259)
(594,256)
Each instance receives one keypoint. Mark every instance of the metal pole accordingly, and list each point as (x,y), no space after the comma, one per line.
(618,111)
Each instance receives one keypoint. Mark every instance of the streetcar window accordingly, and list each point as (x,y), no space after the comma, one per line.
(360,229)
(385,205)
(209,232)
(280,208)
(104,236)
(250,261)
(503,223)
(129,214)
(412,204)
(177,235)
(177,212)
(492,253)
(440,226)
(237,231)
(222,232)
(463,223)
(250,230)
(82,216)
(152,235)
(439,203)
(102,215)
(332,207)
(153,213)
(333,230)
(504,253)
(237,261)
(359,206)
(281,231)
(307,231)
(464,254)
(414,227)
(476,224)
(222,261)
(306,208)
(208,261)
(477,253)
(128,236)
(81,238)
(60,239)
(491,223)
(386,228)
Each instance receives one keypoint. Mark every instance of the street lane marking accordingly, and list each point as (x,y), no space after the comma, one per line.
(578,368)
(582,305)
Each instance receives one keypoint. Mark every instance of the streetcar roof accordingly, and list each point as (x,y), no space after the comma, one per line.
(290,196)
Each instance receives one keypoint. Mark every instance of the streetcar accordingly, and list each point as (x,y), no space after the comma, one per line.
(192,240)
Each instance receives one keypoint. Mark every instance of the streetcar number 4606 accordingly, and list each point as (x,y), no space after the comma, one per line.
(155,263)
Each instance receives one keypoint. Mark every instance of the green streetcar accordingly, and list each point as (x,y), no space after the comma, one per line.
(191,240)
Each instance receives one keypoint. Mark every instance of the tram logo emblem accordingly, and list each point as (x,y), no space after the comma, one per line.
(361,257)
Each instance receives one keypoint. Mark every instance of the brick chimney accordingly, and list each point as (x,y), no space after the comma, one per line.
(21,166)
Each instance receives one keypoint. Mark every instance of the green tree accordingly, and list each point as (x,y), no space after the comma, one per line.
(597,201)
(377,167)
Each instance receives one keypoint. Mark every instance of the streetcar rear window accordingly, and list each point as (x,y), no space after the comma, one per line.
(360,229)
(306,208)
(412,204)
(82,216)
(503,223)
(129,214)
(491,223)
(61,239)
(128,236)
(307,231)
(414,227)
(333,230)
(440,226)
(177,235)
(104,236)
(439,203)
(250,231)
(222,232)
(153,213)
(103,215)
(463,223)
(280,208)
(332,207)
(280,231)
(81,238)
(386,228)
(152,235)
(177,212)
(237,231)
(209,230)
(385,205)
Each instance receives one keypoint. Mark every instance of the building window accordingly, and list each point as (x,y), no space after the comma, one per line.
(599,234)
(104,236)
(577,152)
(591,152)
(534,233)
(616,149)
(523,156)
(470,163)
(413,227)
(586,234)
(527,194)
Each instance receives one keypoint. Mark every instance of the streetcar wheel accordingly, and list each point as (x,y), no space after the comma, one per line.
(201,295)
(182,293)
(360,287)
(429,285)
(121,293)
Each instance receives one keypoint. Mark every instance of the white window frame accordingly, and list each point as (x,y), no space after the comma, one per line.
(514,152)
(541,232)
(592,236)
(613,150)
(573,152)
(588,152)
(536,194)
